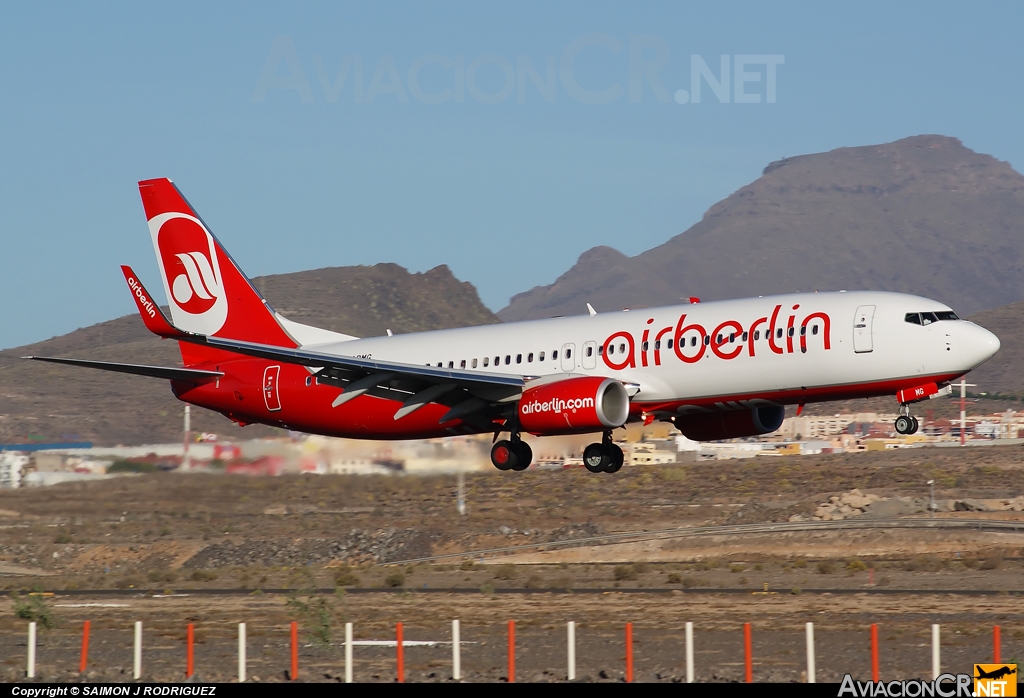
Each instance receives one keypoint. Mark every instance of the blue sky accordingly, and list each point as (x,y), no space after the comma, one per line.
(467,162)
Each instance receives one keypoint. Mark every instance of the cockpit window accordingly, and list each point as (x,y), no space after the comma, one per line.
(929,318)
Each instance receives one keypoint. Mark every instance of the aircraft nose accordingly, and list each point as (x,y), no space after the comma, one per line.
(977,345)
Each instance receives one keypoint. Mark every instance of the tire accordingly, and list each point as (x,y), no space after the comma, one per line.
(504,455)
(903,425)
(916,425)
(595,458)
(616,461)
(524,456)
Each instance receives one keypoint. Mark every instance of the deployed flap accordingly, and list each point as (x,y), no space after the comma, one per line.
(169,372)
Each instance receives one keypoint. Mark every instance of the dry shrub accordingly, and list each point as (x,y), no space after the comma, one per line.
(826,567)
(395,580)
(675,578)
(345,577)
(855,565)
(993,562)
(505,572)
(623,573)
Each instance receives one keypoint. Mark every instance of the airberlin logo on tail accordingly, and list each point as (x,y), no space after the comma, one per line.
(197,286)
(191,270)
(558,405)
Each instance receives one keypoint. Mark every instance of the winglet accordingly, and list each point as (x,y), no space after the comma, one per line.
(590,309)
(156,321)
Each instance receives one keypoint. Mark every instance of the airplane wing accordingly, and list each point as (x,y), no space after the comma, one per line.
(190,375)
(471,395)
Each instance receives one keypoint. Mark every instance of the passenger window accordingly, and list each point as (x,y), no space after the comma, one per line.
(912,318)
(611,349)
(670,344)
(309,381)
(497,360)
(622,348)
(744,336)
(693,341)
(814,329)
(803,330)
(462,364)
(732,337)
(791,331)
(757,335)
(600,350)
(657,344)
(508,359)
(451,364)
(519,358)
(474,363)
(540,357)
(779,333)
(590,351)
(718,340)
(487,360)
(529,357)
(554,355)
(707,339)
(928,318)
(644,347)
(568,353)
(439,364)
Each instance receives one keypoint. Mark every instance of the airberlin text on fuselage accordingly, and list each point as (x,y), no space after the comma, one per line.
(726,340)
(137,289)
(558,405)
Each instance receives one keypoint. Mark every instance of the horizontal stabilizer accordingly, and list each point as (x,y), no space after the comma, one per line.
(190,375)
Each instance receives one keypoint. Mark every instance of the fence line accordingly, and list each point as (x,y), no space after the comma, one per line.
(401,643)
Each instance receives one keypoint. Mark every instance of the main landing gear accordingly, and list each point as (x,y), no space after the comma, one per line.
(905,423)
(604,457)
(512,454)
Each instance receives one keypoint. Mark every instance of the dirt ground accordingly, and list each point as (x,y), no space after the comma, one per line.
(155,548)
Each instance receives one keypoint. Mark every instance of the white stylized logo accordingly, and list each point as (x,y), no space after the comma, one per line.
(191,272)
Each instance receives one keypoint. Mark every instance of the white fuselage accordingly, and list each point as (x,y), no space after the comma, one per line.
(786,349)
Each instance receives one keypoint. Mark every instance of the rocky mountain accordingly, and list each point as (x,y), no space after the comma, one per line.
(57,402)
(922,215)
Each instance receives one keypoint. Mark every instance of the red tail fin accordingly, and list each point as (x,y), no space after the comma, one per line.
(207,292)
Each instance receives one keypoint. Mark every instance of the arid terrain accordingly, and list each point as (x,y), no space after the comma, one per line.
(169,549)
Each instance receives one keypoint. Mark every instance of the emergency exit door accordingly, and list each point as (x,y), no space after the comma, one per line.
(271,396)
(862,322)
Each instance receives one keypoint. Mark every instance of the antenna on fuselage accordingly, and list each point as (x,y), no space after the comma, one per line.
(591,310)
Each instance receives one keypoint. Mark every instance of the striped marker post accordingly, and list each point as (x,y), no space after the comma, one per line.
(689,652)
(348,653)
(810,653)
(84,661)
(30,669)
(137,651)
(400,650)
(456,652)
(874,652)
(511,651)
(748,658)
(295,651)
(571,650)
(189,656)
(241,653)
(996,649)
(629,653)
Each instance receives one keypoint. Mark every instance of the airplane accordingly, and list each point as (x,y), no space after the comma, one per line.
(715,370)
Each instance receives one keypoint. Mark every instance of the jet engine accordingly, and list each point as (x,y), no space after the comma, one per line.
(574,405)
(731,425)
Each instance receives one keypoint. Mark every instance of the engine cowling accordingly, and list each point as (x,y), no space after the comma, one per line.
(574,405)
(731,425)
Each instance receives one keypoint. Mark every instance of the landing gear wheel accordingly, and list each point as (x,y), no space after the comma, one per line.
(617,459)
(596,458)
(524,455)
(905,424)
(504,455)
(916,426)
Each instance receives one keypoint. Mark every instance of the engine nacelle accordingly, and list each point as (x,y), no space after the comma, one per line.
(731,425)
(574,405)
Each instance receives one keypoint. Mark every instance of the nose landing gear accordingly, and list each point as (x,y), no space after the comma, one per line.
(604,457)
(511,454)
